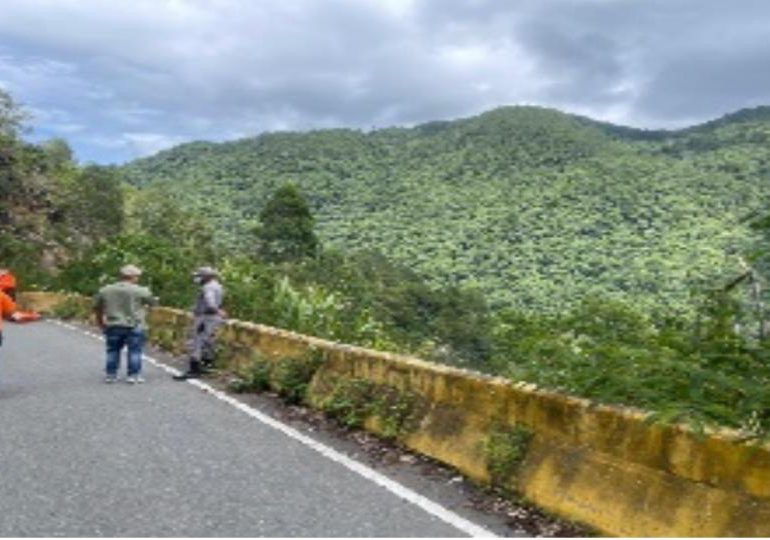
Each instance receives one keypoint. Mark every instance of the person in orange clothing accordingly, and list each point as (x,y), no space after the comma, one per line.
(7,307)
(8,286)
(8,283)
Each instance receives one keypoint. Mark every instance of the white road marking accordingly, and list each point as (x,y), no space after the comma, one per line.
(357,467)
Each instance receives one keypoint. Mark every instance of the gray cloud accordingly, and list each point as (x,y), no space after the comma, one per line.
(715,81)
(125,78)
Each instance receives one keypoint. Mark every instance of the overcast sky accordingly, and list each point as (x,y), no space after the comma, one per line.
(126,78)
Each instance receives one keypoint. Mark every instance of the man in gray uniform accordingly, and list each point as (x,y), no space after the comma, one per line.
(208,315)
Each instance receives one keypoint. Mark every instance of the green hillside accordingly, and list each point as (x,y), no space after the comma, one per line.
(535,207)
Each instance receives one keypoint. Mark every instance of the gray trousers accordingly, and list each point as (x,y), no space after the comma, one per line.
(202,341)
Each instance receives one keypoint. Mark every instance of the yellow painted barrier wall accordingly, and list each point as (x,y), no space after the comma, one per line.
(600,465)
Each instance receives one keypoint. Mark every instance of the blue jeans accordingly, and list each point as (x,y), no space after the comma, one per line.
(118,337)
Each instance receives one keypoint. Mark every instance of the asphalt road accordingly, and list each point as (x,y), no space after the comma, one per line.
(82,458)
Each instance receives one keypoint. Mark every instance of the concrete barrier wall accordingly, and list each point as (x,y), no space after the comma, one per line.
(603,466)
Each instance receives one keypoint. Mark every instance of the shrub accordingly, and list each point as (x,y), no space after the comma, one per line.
(350,402)
(505,448)
(72,307)
(702,372)
(256,378)
(293,375)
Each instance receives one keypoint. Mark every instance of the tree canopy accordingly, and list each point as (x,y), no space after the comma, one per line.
(533,207)
(286,225)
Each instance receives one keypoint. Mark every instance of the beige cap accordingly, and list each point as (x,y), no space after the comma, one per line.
(130,270)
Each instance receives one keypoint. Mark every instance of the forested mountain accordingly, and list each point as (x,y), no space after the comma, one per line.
(533,206)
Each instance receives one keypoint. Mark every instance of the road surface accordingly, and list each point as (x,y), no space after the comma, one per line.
(82,458)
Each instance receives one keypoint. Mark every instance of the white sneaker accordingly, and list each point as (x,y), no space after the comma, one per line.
(109,379)
(135,379)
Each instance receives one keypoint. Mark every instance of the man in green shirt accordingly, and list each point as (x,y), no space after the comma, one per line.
(120,313)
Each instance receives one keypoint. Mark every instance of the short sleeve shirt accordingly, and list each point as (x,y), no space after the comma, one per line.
(124,304)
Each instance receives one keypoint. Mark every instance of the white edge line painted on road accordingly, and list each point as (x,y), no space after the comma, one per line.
(357,467)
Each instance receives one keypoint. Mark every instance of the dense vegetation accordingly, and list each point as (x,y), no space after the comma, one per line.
(612,263)
(533,207)
(50,209)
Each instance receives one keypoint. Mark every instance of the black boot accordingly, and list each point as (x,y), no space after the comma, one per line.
(207,365)
(193,373)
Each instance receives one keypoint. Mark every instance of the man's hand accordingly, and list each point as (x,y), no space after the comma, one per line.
(99,317)
(223,313)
